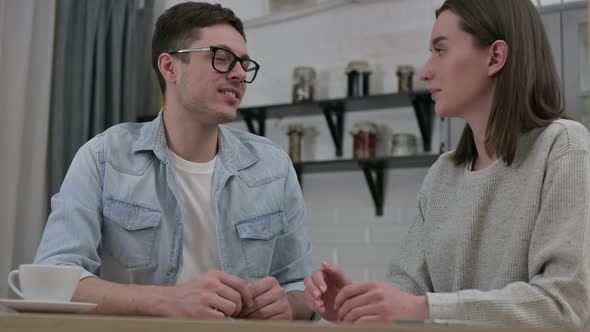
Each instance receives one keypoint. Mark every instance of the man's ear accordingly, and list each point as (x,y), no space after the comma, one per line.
(167,67)
(498,57)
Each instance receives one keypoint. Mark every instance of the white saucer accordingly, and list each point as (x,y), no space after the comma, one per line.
(47,306)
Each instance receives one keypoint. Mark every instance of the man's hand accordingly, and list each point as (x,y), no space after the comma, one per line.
(378,302)
(269,301)
(321,289)
(215,294)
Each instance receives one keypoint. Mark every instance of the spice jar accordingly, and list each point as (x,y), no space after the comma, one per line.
(364,140)
(405,75)
(358,78)
(303,84)
(295,133)
(403,144)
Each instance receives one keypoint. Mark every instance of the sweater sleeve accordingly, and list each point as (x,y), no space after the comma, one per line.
(557,291)
(408,270)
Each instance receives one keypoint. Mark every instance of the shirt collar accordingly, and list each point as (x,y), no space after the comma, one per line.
(152,137)
(233,153)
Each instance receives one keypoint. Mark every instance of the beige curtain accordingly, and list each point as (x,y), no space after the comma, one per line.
(26,52)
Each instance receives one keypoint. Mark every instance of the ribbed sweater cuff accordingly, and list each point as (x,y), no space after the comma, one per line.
(443,305)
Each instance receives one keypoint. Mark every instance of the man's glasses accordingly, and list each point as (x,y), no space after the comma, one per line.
(224,60)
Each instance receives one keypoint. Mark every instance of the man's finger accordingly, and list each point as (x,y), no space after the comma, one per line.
(217,302)
(271,296)
(215,314)
(232,295)
(281,316)
(239,285)
(263,285)
(267,311)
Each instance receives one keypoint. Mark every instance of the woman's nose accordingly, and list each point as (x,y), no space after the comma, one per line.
(426,73)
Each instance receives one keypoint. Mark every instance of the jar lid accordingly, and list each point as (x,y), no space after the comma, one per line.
(368,127)
(405,69)
(295,128)
(358,66)
(305,70)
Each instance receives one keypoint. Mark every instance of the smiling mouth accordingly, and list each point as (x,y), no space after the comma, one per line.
(230,93)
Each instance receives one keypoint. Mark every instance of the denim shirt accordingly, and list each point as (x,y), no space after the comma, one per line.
(118,215)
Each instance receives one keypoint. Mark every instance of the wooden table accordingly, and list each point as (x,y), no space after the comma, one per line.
(24,322)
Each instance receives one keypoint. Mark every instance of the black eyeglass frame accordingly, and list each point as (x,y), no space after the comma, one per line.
(236,59)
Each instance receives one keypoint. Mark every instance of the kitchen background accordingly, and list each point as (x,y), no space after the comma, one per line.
(327,35)
(53,98)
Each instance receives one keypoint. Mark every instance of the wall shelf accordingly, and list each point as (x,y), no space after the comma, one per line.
(334,109)
(347,165)
(373,170)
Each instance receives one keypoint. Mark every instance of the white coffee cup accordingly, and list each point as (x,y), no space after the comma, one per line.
(52,283)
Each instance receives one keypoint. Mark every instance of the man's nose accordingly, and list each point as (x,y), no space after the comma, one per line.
(237,73)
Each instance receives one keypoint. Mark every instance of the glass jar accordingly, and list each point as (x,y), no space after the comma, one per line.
(404,144)
(295,133)
(405,75)
(358,73)
(364,140)
(304,80)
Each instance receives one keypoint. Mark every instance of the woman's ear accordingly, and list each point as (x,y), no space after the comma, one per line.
(498,57)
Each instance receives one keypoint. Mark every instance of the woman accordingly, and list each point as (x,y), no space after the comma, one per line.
(502,233)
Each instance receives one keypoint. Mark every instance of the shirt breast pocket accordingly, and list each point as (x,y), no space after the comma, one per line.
(129,233)
(258,238)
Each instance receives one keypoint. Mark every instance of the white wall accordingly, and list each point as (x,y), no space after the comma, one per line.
(342,222)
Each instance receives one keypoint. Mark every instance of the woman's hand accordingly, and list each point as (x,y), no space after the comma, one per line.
(321,289)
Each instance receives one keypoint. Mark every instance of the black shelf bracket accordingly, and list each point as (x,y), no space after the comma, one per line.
(259,117)
(334,113)
(424,109)
(375,179)
(298,170)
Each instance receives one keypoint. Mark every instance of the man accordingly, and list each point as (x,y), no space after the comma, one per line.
(183,216)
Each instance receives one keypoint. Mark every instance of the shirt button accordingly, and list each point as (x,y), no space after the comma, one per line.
(172,269)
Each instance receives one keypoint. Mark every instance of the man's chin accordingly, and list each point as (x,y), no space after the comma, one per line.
(227,116)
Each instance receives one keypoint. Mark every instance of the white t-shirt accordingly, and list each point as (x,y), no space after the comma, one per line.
(200,248)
